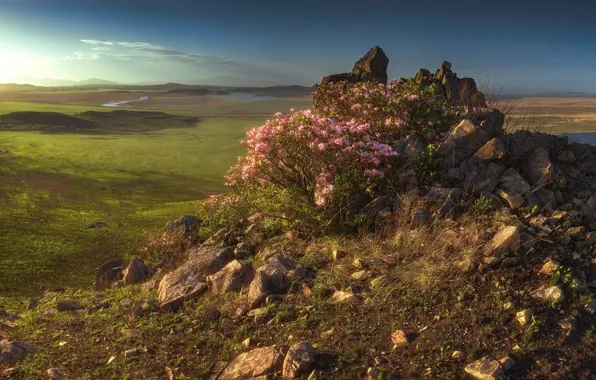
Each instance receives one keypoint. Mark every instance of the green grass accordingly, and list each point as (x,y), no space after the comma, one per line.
(69,109)
(53,186)
(262,107)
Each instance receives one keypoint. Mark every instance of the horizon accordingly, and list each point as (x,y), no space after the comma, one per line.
(544,49)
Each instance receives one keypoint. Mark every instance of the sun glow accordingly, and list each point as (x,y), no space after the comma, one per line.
(14,64)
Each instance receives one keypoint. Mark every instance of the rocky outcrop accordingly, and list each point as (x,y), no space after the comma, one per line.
(189,223)
(458,91)
(372,67)
(190,279)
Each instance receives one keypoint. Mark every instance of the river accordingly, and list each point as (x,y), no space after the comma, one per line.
(119,104)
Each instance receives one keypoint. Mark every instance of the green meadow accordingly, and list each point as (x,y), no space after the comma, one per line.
(54,186)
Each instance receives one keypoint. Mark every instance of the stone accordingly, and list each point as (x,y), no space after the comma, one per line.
(466,138)
(189,280)
(231,278)
(524,317)
(338,78)
(274,277)
(505,240)
(136,272)
(55,373)
(362,275)
(489,369)
(512,182)
(513,201)
(299,360)
(261,361)
(190,224)
(108,273)
(589,210)
(132,352)
(549,267)
(337,254)
(345,297)
(372,67)
(243,251)
(14,351)
(491,151)
(566,157)
(68,305)
(538,166)
(458,356)
(552,294)
(399,338)
(373,374)
(9,372)
(379,205)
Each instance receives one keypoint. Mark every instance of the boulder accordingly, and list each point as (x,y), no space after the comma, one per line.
(136,272)
(512,182)
(189,280)
(372,67)
(469,94)
(538,166)
(11,352)
(190,224)
(553,294)
(258,362)
(299,360)
(338,78)
(491,151)
(231,278)
(274,277)
(513,201)
(109,273)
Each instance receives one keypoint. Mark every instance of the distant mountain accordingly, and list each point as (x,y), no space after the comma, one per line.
(97,81)
(227,81)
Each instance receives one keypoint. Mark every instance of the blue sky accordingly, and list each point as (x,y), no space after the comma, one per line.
(538,45)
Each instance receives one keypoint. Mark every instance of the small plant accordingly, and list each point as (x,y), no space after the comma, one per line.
(168,249)
(481,205)
(425,166)
(562,274)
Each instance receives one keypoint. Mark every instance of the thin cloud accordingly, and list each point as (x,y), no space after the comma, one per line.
(101,48)
(97,42)
(82,56)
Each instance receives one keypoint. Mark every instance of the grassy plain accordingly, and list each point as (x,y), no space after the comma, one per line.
(54,186)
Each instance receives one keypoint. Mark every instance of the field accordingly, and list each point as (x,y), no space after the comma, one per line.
(133,178)
(137,175)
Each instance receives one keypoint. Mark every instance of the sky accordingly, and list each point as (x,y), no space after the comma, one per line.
(514,45)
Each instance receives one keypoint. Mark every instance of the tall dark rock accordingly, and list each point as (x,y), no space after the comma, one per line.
(372,67)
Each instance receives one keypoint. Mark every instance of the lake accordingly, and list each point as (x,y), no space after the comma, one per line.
(584,138)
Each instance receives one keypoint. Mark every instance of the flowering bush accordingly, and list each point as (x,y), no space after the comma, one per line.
(394,110)
(317,163)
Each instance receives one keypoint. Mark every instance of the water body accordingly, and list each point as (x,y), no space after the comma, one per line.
(248,98)
(120,104)
(584,138)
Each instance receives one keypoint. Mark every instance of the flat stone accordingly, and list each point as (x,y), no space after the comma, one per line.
(512,182)
(345,297)
(257,362)
(136,272)
(189,280)
(505,240)
(552,294)
(549,267)
(299,360)
(513,201)
(489,369)
(491,151)
(399,338)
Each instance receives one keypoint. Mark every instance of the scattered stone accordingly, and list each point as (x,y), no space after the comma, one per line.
(337,254)
(230,278)
(55,373)
(347,296)
(399,338)
(549,267)
(552,294)
(299,360)
(373,374)
(488,369)
(136,272)
(97,224)
(68,305)
(362,275)
(491,151)
(591,306)
(507,305)
(568,324)
(513,201)
(257,362)
(589,210)
(14,351)
(211,313)
(189,280)
(109,273)
(9,372)
(126,302)
(524,317)
(458,356)
(505,240)
(130,353)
